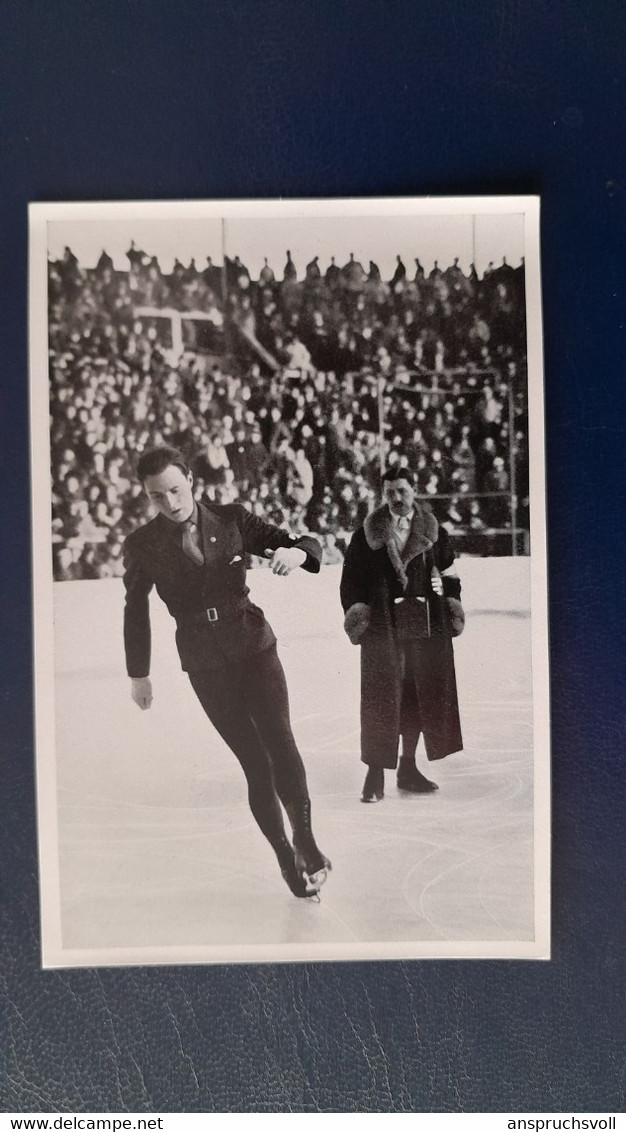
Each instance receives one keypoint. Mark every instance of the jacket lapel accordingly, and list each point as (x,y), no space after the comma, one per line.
(220,537)
(422,536)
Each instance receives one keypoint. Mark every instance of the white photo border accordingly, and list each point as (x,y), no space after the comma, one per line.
(53,953)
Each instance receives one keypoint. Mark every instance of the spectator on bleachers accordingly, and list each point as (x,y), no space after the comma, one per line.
(399,276)
(288,407)
(290,273)
(496,479)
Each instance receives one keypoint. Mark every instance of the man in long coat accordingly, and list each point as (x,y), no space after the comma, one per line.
(401,597)
(195,556)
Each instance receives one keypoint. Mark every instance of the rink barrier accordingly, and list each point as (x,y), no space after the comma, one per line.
(88,614)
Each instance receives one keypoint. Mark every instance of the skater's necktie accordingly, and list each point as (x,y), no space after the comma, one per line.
(191,542)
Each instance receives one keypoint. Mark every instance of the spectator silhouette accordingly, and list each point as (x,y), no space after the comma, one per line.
(290,274)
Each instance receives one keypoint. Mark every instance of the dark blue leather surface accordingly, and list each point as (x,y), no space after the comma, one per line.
(154,99)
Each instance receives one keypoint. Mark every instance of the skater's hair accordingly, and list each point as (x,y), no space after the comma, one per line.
(156,460)
(393,474)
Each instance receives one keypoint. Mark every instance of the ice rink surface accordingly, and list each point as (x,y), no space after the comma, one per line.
(157,847)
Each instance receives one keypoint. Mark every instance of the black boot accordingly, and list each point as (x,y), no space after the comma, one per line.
(374,785)
(309,859)
(413,781)
(299,883)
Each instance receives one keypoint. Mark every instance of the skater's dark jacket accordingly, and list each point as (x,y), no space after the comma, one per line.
(391,609)
(216,623)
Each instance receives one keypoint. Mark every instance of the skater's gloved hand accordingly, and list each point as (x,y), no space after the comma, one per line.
(285,559)
(141,691)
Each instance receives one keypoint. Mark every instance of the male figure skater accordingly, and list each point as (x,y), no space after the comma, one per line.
(400,594)
(194,554)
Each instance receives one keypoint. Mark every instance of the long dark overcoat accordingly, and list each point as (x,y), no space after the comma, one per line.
(388,595)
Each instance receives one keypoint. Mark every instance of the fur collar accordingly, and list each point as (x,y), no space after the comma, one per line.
(378,528)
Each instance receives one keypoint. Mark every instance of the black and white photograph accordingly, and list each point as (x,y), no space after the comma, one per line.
(289,557)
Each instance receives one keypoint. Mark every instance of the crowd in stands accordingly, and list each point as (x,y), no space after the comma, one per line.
(274,393)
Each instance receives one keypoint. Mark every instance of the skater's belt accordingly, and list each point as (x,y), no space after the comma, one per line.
(225,611)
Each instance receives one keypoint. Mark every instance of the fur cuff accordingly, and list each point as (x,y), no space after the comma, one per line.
(451,586)
(456,616)
(356,621)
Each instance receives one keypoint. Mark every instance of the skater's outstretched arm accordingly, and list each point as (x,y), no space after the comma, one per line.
(137,633)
